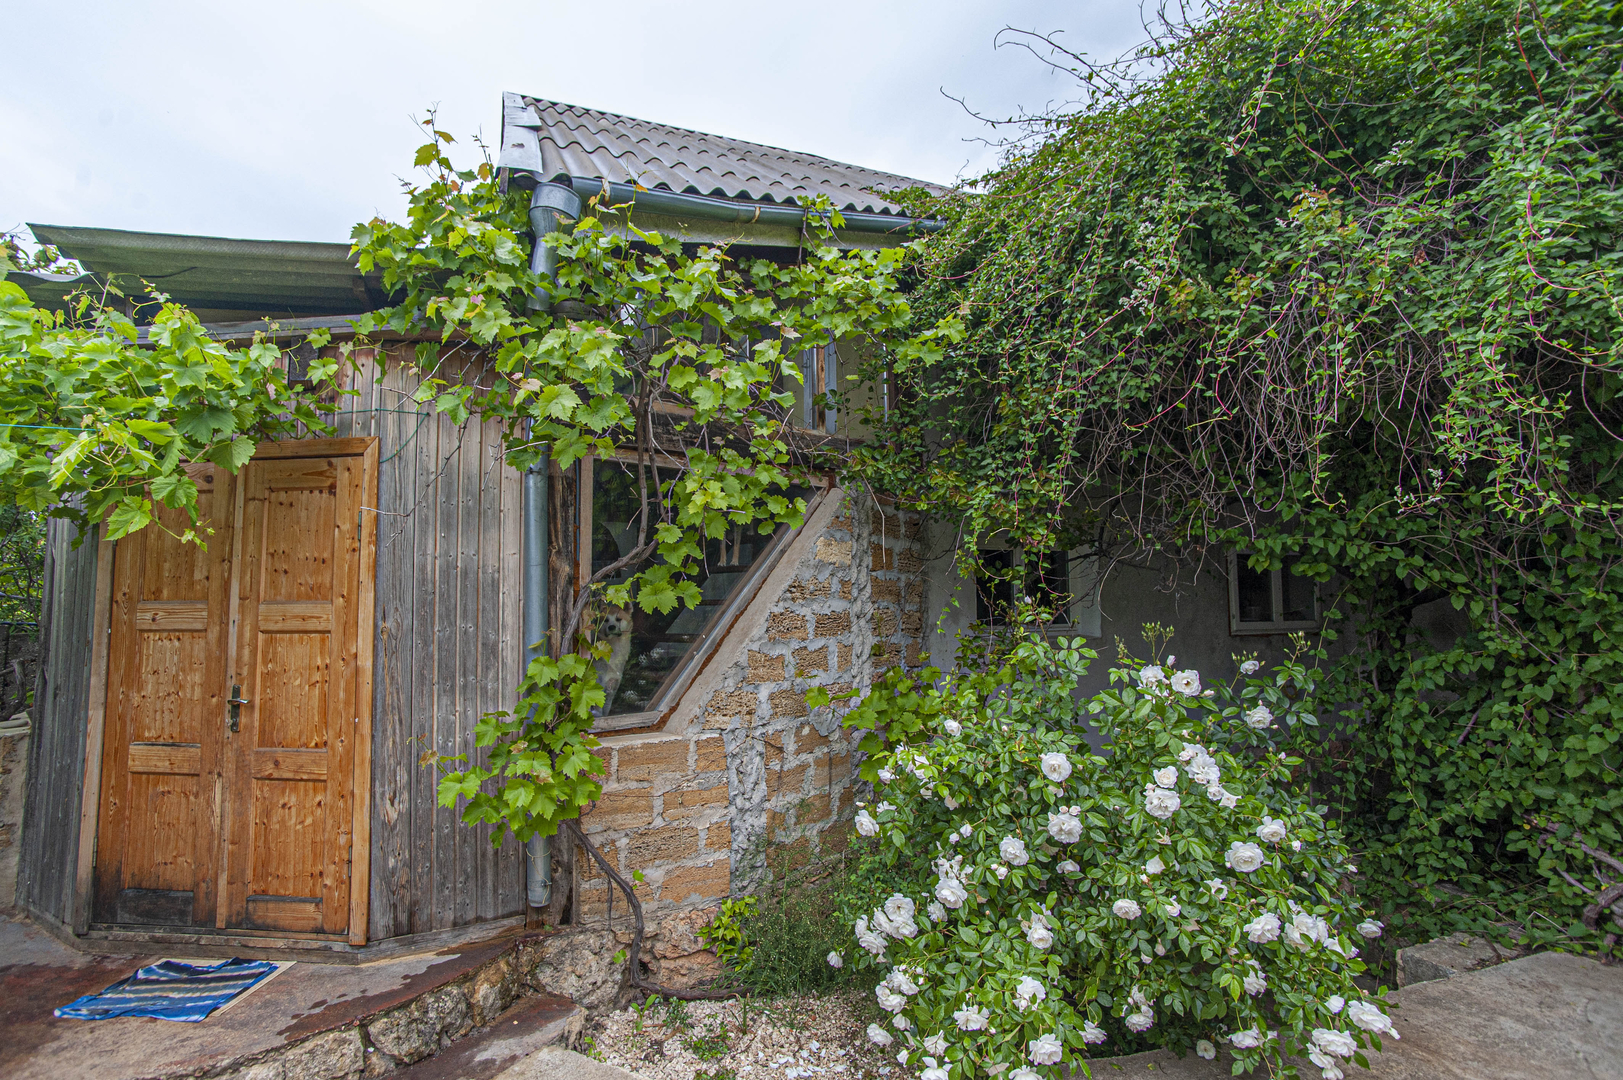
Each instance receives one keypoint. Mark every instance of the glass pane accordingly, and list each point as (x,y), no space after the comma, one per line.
(994,592)
(1297,594)
(646,647)
(1254,591)
(1048,583)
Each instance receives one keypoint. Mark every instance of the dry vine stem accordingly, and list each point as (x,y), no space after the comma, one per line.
(634,958)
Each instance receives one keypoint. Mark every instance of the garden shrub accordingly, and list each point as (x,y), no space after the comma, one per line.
(1049,903)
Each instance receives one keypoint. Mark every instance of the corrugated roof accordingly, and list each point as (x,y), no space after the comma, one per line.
(576,141)
(221,273)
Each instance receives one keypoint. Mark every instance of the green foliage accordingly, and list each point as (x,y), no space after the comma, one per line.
(779,941)
(1338,285)
(1050,903)
(710,1045)
(724,934)
(646,347)
(22,563)
(94,427)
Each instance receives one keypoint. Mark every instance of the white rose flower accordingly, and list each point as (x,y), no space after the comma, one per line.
(1151,675)
(1092,1033)
(1338,1043)
(879,1036)
(1249,1039)
(1045,1050)
(1013,850)
(868,939)
(950,891)
(1218,887)
(971,1018)
(882,807)
(890,1000)
(1331,1068)
(1371,928)
(835,960)
(1155,865)
(1305,929)
(1028,991)
(900,1022)
(1229,800)
(899,907)
(1371,1018)
(1174,909)
(1335,1003)
(1263,929)
(1142,1020)
(1203,769)
(1246,858)
(966,832)
(1056,766)
(1259,718)
(1040,935)
(1161,803)
(1065,828)
(1191,751)
(934,1072)
(936,912)
(1069,866)
(886,774)
(1254,982)
(1126,909)
(1000,870)
(949,802)
(1296,845)
(1250,667)
(1024,1073)
(1167,777)
(1186,682)
(936,1044)
(866,825)
(898,981)
(901,1057)
(1205,1049)
(1271,831)
(952,727)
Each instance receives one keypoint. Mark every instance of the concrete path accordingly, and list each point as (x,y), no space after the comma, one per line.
(556,1063)
(1550,1016)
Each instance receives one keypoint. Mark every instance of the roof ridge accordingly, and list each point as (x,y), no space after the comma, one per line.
(800,155)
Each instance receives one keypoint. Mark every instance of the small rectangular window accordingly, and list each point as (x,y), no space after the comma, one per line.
(994,588)
(1269,601)
(1064,582)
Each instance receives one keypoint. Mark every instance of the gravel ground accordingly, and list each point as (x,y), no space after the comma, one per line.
(789,1038)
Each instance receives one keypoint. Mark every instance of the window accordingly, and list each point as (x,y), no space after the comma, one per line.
(819,371)
(646,667)
(1269,601)
(1063,581)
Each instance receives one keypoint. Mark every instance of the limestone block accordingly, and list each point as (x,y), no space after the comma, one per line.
(423,1027)
(1446,957)
(492,991)
(836,552)
(578,964)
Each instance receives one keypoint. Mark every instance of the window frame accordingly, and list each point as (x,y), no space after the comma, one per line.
(1276,586)
(1081,567)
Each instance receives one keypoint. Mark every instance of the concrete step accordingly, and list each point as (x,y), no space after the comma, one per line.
(557,1063)
(528,1026)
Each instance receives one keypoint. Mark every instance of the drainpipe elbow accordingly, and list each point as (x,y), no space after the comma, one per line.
(548,204)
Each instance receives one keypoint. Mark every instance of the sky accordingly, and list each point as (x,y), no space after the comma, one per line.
(294,120)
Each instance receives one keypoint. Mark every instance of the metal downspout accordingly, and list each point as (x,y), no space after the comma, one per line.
(547,205)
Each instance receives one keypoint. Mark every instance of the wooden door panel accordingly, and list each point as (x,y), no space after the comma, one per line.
(158,814)
(297,622)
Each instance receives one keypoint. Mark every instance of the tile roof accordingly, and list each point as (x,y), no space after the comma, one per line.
(575,141)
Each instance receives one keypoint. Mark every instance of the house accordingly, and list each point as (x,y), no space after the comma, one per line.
(228,741)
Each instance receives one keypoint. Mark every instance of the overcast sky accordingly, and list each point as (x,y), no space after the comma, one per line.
(293,120)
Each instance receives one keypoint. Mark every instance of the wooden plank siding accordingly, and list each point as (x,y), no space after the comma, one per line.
(447,519)
(49,848)
(447,651)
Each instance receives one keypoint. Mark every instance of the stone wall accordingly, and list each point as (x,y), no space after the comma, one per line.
(745,782)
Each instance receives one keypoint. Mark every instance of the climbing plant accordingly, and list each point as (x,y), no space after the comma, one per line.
(1338,284)
(681,355)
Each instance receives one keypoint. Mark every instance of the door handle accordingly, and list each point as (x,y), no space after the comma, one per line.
(236,701)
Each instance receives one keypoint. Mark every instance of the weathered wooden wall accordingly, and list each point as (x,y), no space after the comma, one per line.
(56,759)
(448,651)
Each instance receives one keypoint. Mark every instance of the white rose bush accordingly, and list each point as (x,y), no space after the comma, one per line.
(1049,903)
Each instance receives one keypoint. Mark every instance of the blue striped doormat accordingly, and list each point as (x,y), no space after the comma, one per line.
(171,990)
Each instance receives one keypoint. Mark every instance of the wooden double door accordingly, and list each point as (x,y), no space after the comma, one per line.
(235,754)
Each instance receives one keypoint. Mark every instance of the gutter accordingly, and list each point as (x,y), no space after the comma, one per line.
(682,204)
(533,601)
